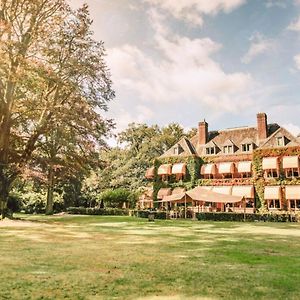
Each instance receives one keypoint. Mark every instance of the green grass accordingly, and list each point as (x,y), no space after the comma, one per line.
(96,257)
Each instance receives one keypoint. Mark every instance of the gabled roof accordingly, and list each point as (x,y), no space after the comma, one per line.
(247,140)
(187,149)
(271,140)
(228,142)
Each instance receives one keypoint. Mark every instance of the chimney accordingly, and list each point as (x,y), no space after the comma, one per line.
(262,126)
(202,133)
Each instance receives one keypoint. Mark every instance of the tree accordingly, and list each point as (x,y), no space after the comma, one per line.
(52,75)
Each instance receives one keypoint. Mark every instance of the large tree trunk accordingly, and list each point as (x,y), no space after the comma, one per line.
(4,192)
(50,190)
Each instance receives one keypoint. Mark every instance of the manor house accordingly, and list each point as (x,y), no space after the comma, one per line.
(259,163)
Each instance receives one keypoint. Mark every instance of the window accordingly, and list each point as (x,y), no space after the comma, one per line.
(280,141)
(210,150)
(246,147)
(274,204)
(294,172)
(177,150)
(228,149)
(271,173)
(295,204)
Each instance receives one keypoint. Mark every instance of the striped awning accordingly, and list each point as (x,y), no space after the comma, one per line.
(179,169)
(165,169)
(178,190)
(244,167)
(208,169)
(290,162)
(292,192)
(207,187)
(150,173)
(246,191)
(164,192)
(270,163)
(272,192)
(225,190)
(226,168)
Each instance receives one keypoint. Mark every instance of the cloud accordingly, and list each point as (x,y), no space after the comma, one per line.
(182,76)
(295,26)
(192,11)
(259,45)
(297,61)
(276,3)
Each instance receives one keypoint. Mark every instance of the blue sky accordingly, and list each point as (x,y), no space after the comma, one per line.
(186,60)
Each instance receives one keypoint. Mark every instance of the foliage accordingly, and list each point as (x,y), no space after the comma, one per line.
(116,198)
(162,215)
(98,211)
(53,81)
(239,217)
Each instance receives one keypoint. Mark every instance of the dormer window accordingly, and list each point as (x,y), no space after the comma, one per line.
(177,150)
(247,147)
(280,141)
(228,149)
(210,150)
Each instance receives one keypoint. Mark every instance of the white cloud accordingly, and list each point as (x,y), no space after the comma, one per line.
(297,60)
(295,26)
(276,3)
(192,11)
(184,74)
(259,45)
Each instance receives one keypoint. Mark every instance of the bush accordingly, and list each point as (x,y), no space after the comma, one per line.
(98,211)
(162,215)
(14,203)
(116,198)
(239,217)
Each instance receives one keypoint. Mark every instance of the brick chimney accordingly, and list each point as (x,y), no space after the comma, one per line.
(262,126)
(202,133)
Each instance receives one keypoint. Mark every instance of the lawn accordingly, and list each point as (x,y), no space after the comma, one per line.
(95,257)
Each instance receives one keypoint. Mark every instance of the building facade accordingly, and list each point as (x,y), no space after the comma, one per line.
(260,163)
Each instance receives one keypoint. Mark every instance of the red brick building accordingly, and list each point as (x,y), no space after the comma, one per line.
(260,163)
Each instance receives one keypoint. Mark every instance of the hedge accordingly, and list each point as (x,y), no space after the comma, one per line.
(240,217)
(98,211)
(162,215)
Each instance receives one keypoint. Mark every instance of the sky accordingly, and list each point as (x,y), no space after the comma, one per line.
(187,60)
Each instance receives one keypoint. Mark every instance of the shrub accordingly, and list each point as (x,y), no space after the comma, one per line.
(116,198)
(239,217)
(162,215)
(98,211)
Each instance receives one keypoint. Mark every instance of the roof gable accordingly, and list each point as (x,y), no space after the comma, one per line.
(186,146)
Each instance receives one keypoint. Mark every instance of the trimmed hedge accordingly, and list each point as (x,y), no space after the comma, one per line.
(98,211)
(240,217)
(162,215)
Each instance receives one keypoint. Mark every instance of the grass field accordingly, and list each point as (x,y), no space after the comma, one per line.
(91,257)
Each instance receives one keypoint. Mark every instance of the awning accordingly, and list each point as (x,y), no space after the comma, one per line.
(178,190)
(245,167)
(150,173)
(179,169)
(208,169)
(226,168)
(163,192)
(165,169)
(202,195)
(207,187)
(225,190)
(290,162)
(270,163)
(272,192)
(246,191)
(292,192)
